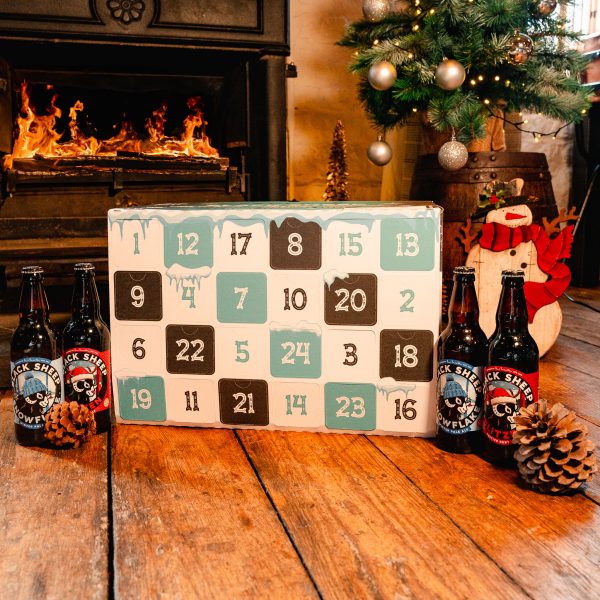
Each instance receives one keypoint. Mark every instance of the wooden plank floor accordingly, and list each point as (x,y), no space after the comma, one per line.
(190,513)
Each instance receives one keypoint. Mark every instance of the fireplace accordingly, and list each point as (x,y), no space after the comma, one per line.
(166,100)
(130,102)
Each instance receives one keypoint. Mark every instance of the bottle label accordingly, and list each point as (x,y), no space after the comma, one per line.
(460,396)
(87,377)
(506,391)
(37,385)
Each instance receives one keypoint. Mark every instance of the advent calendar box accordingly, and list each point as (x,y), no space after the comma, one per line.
(312,316)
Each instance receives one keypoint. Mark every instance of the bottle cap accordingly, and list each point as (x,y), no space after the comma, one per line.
(513,273)
(464,270)
(32,270)
(84,267)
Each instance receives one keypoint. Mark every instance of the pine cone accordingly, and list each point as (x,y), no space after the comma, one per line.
(554,453)
(69,424)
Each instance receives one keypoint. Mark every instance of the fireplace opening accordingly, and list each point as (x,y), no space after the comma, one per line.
(223,70)
(57,121)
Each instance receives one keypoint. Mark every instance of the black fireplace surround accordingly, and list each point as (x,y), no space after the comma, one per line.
(119,54)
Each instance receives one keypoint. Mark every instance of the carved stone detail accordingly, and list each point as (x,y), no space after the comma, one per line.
(126,11)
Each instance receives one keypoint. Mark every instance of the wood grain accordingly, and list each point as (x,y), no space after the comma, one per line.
(580,323)
(363,529)
(548,545)
(576,355)
(53,518)
(191,520)
(575,389)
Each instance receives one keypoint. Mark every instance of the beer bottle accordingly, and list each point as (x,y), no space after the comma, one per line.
(462,357)
(511,377)
(86,349)
(35,362)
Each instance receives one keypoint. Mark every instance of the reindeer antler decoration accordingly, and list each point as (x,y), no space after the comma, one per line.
(465,237)
(563,217)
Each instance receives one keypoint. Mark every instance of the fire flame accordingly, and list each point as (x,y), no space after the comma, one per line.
(37,134)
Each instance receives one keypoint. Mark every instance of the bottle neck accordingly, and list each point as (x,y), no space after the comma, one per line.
(33,304)
(464,308)
(512,308)
(86,303)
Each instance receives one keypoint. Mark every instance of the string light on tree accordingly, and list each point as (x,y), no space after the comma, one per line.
(546,7)
(379,152)
(453,155)
(450,74)
(521,49)
(382,75)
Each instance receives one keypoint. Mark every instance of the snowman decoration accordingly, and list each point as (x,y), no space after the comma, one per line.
(510,240)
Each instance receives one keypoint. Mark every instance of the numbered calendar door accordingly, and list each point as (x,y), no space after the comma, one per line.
(191,400)
(350,406)
(406,355)
(295,244)
(408,244)
(138,295)
(142,398)
(351,300)
(133,242)
(243,351)
(241,297)
(244,402)
(406,408)
(294,297)
(190,349)
(241,245)
(138,349)
(296,404)
(352,245)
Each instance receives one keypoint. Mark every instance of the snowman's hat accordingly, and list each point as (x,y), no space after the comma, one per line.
(482,211)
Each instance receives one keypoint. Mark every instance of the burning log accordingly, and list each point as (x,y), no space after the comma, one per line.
(38,137)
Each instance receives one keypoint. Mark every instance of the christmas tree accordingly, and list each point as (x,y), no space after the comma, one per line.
(337,174)
(464,61)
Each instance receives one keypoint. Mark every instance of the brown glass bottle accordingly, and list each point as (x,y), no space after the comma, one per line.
(35,361)
(462,357)
(86,349)
(511,377)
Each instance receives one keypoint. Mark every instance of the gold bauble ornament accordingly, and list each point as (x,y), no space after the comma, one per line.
(450,74)
(546,7)
(379,152)
(521,49)
(375,10)
(382,75)
(453,155)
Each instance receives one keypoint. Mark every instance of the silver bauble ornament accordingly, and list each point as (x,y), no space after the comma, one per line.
(450,74)
(382,75)
(546,7)
(520,50)
(379,152)
(375,10)
(453,155)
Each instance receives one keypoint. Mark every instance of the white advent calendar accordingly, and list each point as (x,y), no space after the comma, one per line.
(307,316)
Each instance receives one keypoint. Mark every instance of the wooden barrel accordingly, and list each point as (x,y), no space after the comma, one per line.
(458,191)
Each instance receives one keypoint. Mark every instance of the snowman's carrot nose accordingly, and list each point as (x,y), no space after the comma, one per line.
(511,216)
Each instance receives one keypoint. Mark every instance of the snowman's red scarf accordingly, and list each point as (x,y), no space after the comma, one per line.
(498,237)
